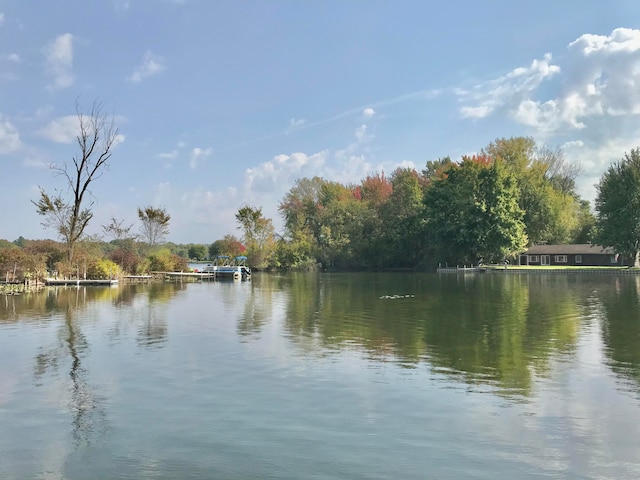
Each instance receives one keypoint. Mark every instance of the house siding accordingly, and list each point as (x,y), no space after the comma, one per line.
(570,255)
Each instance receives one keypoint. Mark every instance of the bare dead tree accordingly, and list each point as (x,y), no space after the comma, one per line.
(561,173)
(66,212)
(117,230)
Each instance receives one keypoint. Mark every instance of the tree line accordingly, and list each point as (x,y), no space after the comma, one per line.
(485,207)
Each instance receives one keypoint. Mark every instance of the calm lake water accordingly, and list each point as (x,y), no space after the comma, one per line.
(321,376)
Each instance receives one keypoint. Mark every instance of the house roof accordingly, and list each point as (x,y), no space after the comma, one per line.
(574,249)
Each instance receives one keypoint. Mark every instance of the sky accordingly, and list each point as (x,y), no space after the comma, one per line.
(221,104)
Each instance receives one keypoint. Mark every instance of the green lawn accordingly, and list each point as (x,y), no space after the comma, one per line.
(557,267)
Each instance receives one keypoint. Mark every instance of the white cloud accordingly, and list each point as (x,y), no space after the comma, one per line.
(59,61)
(572,144)
(9,137)
(361,133)
(172,155)
(35,159)
(368,113)
(508,91)
(621,40)
(197,156)
(604,72)
(151,65)
(283,170)
(600,78)
(206,207)
(118,140)
(62,130)
(66,130)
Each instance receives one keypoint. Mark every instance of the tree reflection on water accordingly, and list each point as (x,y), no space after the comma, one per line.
(86,406)
(495,330)
(621,327)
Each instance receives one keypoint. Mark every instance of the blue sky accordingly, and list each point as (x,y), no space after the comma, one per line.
(226,103)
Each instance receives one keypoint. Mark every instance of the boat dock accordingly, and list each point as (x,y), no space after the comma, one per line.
(463,269)
(72,282)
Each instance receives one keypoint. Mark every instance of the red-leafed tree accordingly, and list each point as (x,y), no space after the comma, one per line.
(376,189)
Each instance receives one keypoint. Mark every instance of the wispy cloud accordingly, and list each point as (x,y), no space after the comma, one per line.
(151,65)
(1,18)
(172,155)
(12,57)
(198,155)
(364,111)
(62,129)
(59,61)
(361,133)
(66,130)
(122,5)
(296,123)
(507,92)
(9,137)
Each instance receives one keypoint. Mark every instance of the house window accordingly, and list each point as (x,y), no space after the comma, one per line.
(561,259)
(534,258)
(578,258)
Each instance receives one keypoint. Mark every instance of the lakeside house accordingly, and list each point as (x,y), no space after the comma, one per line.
(585,254)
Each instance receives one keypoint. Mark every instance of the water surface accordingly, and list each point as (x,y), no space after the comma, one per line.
(324,376)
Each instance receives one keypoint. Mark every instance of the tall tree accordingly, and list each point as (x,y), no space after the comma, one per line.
(402,219)
(546,184)
(259,236)
(472,212)
(96,137)
(300,210)
(618,206)
(154,224)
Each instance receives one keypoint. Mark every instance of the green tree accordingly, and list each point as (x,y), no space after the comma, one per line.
(472,212)
(69,217)
(20,241)
(198,252)
(228,245)
(104,269)
(259,236)
(586,232)
(52,251)
(402,218)
(434,168)
(154,224)
(162,260)
(546,184)
(618,206)
(300,209)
